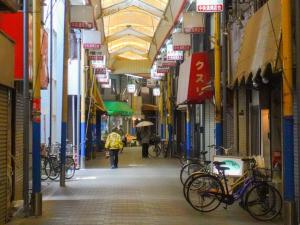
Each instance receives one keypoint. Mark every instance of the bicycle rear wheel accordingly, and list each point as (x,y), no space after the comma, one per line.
(70,167)
(205,193)
(263,202)
(154,151)
(44,165)
(52,170)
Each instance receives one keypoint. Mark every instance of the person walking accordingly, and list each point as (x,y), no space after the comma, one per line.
(145,138)
(113,144)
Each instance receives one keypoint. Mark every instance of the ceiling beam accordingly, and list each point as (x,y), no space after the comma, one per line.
(129,48)
(128,3)
(129,32)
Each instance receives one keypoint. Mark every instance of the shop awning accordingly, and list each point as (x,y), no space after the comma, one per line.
(115,108)
(149,107)
(261,42)
(98,100)
(194,79)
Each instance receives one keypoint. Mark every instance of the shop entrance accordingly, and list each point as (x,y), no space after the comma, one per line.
(265,144)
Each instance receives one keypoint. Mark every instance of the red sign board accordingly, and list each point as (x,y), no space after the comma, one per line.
(200,87)
(181,47)
(81,25)
(92,46)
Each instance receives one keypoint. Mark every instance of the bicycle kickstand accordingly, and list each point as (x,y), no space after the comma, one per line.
(226,206)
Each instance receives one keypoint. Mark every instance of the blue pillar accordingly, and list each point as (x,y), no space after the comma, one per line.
(36,157)
(288,158)
(63,142)
(162,131)
(188,133)
(219,138)
(82,152)
(170,129)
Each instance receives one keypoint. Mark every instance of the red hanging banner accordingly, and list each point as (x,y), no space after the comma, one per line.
(200,87)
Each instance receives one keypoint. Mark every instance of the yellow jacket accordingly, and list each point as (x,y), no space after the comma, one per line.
(114,141)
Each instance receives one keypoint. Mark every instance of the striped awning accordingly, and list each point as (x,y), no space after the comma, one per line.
(260,46)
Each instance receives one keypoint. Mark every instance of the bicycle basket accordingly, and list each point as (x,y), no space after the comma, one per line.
(262,174)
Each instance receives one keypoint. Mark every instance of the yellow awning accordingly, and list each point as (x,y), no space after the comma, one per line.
(98,99)
(261,42)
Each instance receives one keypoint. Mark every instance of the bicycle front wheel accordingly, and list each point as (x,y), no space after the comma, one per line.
(263,202)
(154,151)
(205,193)
(52,169)
(70,167)
(188,169)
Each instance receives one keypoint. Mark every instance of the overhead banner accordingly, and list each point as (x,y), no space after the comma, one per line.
(181,41)
(209,6)
(193,22)
(200,87)
(100,70)
(155,74)
(82,17)
(173,55)
(151,83)
(91,39)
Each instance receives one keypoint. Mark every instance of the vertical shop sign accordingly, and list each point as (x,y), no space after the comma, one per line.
(209,6)
(200,87)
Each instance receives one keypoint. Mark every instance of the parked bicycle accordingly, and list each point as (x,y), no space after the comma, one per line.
(263,202)
(158,147)
(51,164)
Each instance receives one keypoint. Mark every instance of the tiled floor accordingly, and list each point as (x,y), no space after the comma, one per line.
(140,192)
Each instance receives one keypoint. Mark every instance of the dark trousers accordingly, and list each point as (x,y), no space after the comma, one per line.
(145,147)
(114,157)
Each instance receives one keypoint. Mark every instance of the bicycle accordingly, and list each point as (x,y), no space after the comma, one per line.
(261,200)
(51,165)
(157,148)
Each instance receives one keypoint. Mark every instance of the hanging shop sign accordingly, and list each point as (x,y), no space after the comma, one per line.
(155,75)
(200,87)
(102,78)
(107,85)
(96,55)
(194,79)
(193,22)
(181,41)
(151,83)
(209,6)
(156,91)
(131,88)
(173,55)
(166,63)
(82,17)
(91,39)
(100,70)
(163,70)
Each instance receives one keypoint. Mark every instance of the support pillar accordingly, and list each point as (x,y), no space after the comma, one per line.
(288,117)
(36,120)
(218,109)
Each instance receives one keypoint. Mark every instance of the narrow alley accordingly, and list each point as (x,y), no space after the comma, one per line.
(140,192)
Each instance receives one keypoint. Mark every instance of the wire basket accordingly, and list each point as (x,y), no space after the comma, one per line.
(262,174)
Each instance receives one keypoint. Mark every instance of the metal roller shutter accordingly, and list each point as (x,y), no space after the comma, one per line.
(4,120)
(209,128)
(19,111)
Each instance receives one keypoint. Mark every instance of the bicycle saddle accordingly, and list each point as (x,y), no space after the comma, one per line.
(203,153)
(217,163)
(207,162)
(248,159)
(223,168)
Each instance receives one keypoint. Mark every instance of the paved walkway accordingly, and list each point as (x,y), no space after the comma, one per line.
(140,192)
